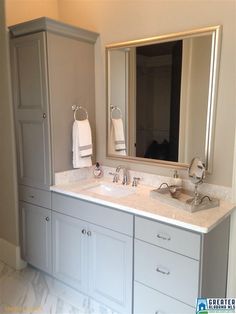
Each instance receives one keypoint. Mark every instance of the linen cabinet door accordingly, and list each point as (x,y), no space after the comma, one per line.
(36,236)
(70,258)
(110,277)
(30,97)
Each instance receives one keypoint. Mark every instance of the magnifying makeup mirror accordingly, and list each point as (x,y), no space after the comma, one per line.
(197,173)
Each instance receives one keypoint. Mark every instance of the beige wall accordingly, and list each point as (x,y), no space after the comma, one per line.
(8,197)
(18,11)
(132,19)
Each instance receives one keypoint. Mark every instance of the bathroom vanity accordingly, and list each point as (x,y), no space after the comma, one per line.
(132,253)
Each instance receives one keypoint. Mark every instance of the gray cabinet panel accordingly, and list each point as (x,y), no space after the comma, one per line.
(70,258)
(165,271)
(214,262)
(149,301)
(94,213)
(33,151)
(35,196)
(28,54)
(169,237)
(111,268)
(36,236)
(30,95)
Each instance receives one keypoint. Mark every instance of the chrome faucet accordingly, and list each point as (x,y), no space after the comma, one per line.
(115,176)
(125,180)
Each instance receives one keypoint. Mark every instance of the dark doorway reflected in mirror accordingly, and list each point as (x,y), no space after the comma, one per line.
(158,70)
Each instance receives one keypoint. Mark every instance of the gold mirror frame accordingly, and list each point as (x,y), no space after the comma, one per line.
(215,31)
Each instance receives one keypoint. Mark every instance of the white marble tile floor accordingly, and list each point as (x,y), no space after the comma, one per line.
(31,291)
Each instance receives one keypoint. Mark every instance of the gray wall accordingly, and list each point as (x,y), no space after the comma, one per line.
(8,197)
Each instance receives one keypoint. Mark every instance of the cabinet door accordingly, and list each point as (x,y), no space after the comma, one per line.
(30,96)
(70,258)
(36,236)
(110,277)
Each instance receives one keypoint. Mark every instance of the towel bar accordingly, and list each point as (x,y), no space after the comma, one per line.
(76,108)
(113,108)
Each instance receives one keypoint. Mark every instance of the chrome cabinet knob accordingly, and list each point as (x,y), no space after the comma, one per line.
(47,218)
(84,231)
(44,115)
(89,233)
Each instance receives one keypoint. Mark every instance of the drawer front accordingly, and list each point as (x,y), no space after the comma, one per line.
(168,237)
(149,301)
(167,272)
(35,196)
(94,213)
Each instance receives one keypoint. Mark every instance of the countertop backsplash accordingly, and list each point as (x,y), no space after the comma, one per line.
(218,191)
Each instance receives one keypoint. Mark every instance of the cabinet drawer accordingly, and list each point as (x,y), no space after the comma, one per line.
(94,213)
(168,237)
(167,272)
(149,301)
(35,196)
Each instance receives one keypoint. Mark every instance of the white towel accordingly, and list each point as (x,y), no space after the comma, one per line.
(117,136)
(82,144)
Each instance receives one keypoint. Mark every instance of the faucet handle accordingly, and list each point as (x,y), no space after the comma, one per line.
(115,176)
(135,181)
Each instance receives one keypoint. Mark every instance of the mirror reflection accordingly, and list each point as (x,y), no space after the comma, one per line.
(161,97)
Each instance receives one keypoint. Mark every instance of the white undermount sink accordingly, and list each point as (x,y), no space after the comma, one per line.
(107,189)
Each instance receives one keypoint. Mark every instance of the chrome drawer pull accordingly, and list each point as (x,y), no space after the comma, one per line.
(47,218)
(84,231)
(159,270)
(160,236)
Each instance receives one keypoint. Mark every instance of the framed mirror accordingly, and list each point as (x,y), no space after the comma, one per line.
(161,97)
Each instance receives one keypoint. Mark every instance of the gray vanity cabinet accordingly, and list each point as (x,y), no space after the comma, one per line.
(36,235)
(110,268)
(30,95)
(173,267)
(52,67)
(93,250)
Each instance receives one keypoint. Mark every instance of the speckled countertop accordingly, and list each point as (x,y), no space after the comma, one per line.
(140,203)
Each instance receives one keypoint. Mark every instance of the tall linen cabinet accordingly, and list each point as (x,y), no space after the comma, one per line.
(52,69)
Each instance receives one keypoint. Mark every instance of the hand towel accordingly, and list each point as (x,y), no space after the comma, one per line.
(85,138)
(117,136)
(82,144)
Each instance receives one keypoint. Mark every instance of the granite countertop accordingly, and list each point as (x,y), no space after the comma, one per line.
(140,203)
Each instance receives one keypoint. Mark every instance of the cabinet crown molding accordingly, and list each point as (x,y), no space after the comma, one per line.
(53,26)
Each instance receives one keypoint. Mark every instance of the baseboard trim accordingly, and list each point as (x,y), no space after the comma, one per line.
(10,255)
